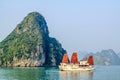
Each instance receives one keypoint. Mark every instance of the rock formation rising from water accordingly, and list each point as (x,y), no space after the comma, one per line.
(29,44)
(106,57)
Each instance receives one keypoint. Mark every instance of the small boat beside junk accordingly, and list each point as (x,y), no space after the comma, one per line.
(86,64)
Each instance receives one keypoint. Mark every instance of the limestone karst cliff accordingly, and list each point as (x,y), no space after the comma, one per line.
(29,44)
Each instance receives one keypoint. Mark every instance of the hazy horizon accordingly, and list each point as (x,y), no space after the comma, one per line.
(78,25)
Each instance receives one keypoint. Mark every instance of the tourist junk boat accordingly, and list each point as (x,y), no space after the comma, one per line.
(86,64)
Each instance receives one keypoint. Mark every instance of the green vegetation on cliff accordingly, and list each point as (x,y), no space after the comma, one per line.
(29,44)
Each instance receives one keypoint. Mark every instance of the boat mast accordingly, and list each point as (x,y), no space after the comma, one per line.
(65,58)
(74,58)
(90,60)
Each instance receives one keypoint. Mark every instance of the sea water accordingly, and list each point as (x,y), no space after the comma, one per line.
(53,73)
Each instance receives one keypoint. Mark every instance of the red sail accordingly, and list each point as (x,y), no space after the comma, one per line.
(74,58)
(65,58)
(90,60)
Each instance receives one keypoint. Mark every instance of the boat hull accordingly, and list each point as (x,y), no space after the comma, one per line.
(68,67)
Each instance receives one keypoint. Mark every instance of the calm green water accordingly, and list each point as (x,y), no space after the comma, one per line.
(53,73)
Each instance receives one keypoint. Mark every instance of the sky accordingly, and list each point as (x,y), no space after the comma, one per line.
(79,25)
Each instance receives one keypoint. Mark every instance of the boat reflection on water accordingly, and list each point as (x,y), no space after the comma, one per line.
(76,75)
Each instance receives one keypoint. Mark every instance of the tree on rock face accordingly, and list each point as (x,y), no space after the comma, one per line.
(29,44)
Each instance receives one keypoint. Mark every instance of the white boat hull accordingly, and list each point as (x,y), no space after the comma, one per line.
(65,67)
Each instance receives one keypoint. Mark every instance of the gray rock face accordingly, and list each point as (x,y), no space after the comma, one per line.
(118,54)
(30,45)
(106,57)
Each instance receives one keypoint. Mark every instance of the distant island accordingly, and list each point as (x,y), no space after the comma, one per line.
(104,57)
(29,44)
